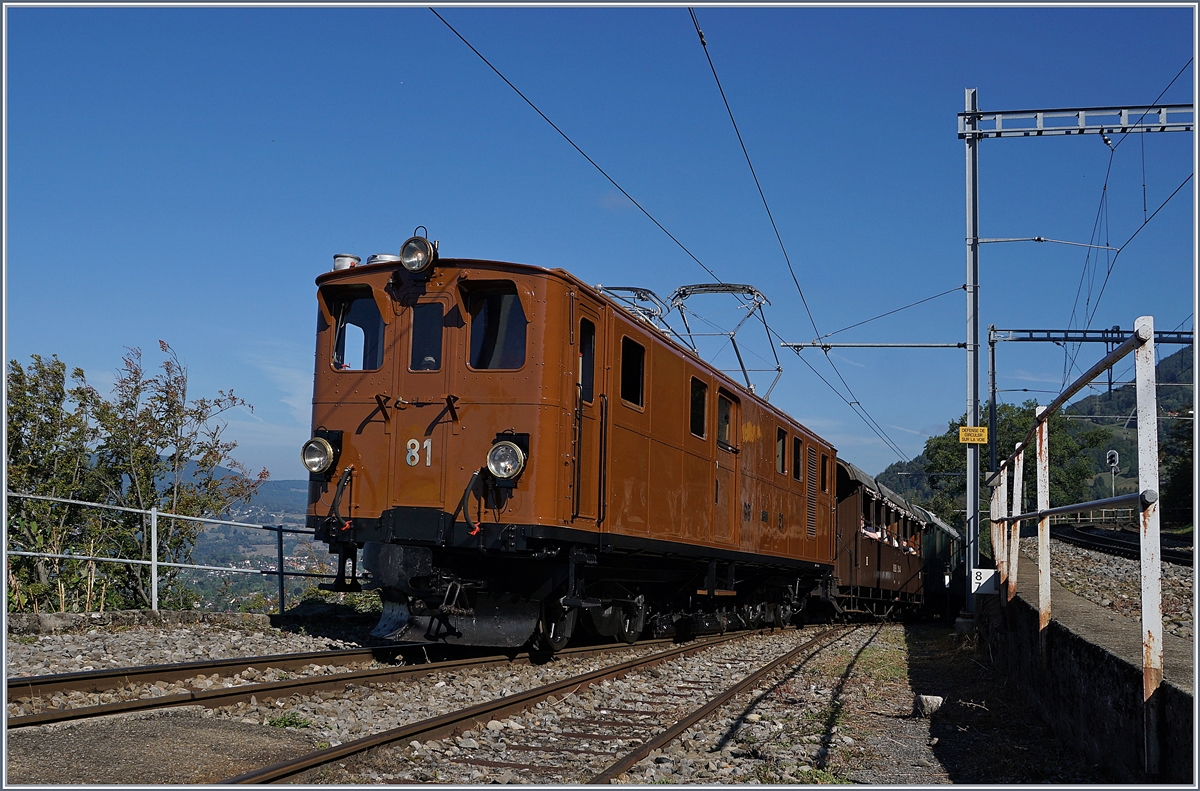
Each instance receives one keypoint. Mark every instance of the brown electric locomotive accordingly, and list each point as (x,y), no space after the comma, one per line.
(516,453)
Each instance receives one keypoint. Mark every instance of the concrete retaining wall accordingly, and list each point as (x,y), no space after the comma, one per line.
(1090,697)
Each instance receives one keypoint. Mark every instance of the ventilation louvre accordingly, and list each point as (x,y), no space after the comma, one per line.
(812,493)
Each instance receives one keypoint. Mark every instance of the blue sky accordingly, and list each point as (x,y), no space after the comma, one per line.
(185,174)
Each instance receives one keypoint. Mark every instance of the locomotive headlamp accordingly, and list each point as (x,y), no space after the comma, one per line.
(417,254)
(505,460)
(317,455)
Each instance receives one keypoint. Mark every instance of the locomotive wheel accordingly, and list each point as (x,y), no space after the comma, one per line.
(756,615)
(632,622)
(557,625)
(785,614)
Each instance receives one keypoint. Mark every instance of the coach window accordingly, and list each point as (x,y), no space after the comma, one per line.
(824,473)
(587,359)
(633,372)
(699,407)
(426,337)
(780,451)
(724,422)
(796,457)
(358,342)
(497,327)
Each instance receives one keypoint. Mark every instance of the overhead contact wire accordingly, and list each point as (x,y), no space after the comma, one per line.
(1070,366)
(890,312)
(742,143)
(576,147)
(770,332)
(779,238)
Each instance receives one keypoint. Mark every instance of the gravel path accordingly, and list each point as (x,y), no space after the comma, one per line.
(1116,582)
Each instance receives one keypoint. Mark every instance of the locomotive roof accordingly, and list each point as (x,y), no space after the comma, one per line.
(593,291)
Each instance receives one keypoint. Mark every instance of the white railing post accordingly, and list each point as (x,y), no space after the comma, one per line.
(1043,495)
(1014,530)
(1000,549)
(154,559)
(1152,636)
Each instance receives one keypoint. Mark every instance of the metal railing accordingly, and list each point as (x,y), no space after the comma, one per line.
(1004,512)
(154,563)
(1106,516)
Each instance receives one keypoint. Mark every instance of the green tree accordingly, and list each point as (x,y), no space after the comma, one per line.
(51,433)
(146,446)
(1071,470)
(1175,470)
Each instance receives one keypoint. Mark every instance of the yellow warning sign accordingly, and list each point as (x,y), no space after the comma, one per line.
(972,435)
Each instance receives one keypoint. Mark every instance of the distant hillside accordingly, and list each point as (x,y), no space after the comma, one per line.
(1114,411)
(908,479)
(1174,376)
(288,497)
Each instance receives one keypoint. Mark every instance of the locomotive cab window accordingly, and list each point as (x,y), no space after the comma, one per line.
(633,372)
(699,407)
(587,360)
(824,473)
(797,455)
(497,327)
(426,337)
(780,451)
(724,422)
(358,339)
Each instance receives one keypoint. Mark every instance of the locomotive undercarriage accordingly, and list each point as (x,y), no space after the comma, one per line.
(506,586)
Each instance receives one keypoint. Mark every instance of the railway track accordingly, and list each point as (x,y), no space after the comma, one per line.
(94,681)
(1114,543)
(635,721)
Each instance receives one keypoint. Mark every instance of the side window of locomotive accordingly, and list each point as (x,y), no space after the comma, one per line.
(587,359)
(699,407)
(426,337)
(724,422)
(497,327)
(358,343)
(824,473)
(780,451)
(797,455)
(633,372)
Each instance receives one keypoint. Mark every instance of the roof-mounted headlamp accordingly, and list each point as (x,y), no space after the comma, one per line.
(418,254)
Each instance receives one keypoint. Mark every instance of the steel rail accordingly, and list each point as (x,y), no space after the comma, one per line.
(625,763)
(269,690)
(1114,545)
(473,716)
(115,678)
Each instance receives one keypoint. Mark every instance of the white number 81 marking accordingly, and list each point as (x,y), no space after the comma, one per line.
(414,452)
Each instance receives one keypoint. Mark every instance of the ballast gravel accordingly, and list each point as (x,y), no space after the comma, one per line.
(570,739)
(363,709)
(843,713)
(1116,582)
(97,649)
(100,649)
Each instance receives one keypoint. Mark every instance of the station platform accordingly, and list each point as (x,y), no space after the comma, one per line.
(1120,635)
